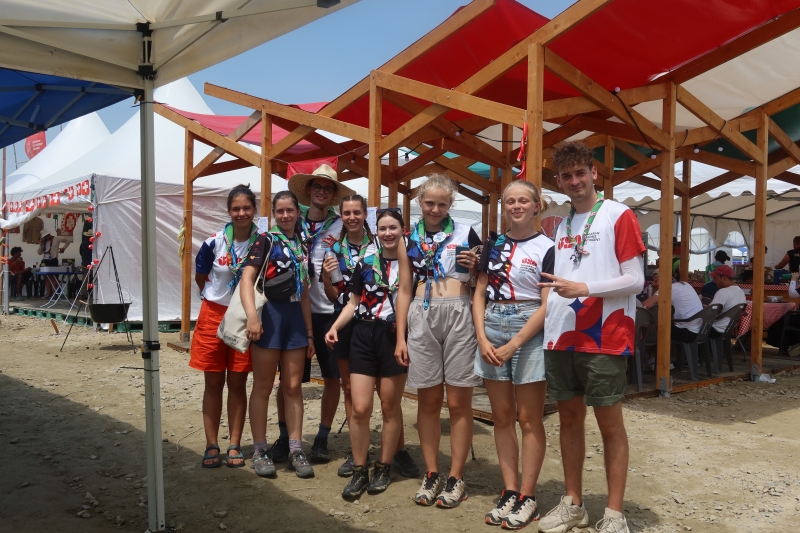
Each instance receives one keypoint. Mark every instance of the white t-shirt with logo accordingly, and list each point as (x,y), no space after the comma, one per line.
(319,301)
(591,324)
(686,303)
(212,260)
(729,297)
(515,267)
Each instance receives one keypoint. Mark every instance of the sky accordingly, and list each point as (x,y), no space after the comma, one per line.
(317,62)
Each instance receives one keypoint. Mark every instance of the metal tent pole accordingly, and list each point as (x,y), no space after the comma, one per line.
(150,345)
(6,272)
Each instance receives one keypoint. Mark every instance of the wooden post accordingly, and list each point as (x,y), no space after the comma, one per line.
(484,221)
(533,119)
(608,180)
(663,380)
(493,198)
(375,130)
(407,206)
(508,173)
(686,223)
(186,258)
(759,259)
(266,164)
(393,158)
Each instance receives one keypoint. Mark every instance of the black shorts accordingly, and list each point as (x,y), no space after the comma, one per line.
(372,350)
(341,350)
(328,366)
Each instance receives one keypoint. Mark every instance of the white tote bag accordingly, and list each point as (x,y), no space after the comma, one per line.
(233,328)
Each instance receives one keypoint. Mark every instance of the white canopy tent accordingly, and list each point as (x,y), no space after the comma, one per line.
(141,44)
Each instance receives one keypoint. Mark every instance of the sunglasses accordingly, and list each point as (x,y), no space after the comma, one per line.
(327,189)
(379,212)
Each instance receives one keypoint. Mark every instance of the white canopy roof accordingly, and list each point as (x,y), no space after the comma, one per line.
(101,41)
(78,137)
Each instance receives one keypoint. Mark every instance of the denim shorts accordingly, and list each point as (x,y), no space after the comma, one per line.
(284,326)
(501,323)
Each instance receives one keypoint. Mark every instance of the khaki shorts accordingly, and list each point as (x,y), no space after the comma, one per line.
(599,378)
(442,343)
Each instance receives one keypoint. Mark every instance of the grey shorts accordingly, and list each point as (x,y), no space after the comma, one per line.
(442,343)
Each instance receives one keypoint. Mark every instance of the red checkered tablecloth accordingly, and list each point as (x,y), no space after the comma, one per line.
(772,313)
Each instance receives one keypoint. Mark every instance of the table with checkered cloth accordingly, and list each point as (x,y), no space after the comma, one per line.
(772,313)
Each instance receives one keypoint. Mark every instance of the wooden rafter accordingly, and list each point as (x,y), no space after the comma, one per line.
(418,162)
(578,105)
(236,135)
(784,140)
(717,160)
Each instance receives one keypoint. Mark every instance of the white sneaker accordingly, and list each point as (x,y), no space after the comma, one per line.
(430,489)
(453,494)
(524,512)
(612,522)
(564,517)
(504,505)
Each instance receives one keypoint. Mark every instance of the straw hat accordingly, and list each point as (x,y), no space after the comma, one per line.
(299,182)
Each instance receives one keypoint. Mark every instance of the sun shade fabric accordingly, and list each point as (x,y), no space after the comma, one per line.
(31,103)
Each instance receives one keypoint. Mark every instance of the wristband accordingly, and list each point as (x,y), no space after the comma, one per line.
(310,337)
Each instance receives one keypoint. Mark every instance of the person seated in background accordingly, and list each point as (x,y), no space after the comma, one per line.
(720,258)
(686,303)
(792,257)
(793,293)
(709,289)
(19,275)
(728,294)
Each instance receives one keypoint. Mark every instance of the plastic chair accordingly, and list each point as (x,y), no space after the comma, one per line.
(644,335)
(787,326)
(691,349)
(723,342)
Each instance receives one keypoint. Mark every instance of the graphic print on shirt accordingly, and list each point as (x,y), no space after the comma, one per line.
(514,267)
(374,297)
(343,286)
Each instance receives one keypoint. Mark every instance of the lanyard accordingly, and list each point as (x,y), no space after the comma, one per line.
(315,235)
(235,263)
(432,252)
(379,267)
(297,256)
(346,254)
(578,247)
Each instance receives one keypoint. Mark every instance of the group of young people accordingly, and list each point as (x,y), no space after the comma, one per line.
(434,308)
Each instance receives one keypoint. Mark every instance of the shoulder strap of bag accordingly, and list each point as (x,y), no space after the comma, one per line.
(263,265)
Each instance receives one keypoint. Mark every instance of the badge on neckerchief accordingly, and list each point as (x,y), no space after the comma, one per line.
(579,247)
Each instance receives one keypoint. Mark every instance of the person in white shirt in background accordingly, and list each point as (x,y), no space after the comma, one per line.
(729,295)
(686,303)
(793,286)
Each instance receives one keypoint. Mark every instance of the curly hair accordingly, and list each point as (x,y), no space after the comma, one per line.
(572,154)
(438,180)
(532,189)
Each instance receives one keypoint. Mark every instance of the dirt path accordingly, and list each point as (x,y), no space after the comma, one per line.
(72,434)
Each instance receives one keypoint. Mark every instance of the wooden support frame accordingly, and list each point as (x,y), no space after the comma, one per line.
(186,257)
(508,173)
(784,141)
(375,129)
(608,179)
(534,121)
(686,225)
(759,258)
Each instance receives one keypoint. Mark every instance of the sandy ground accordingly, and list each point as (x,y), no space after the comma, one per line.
(72,434)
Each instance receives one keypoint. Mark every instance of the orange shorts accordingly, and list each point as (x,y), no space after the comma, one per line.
(209,353)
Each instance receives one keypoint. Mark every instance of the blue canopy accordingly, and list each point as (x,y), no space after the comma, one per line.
(30,103)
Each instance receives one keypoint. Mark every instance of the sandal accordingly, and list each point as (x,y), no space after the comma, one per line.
(207,456)
(240,457)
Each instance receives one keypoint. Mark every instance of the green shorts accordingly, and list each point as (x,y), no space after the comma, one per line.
(599,378)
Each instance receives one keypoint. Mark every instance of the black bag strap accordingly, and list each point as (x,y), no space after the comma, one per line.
(260,276)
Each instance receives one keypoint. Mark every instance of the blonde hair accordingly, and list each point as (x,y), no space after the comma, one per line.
(532,189)
(438,180)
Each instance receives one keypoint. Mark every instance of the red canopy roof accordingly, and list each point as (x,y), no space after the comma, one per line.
(626,44)
(224,125)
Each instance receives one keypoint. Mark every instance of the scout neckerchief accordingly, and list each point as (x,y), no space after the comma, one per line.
(379,269)
(578,247)
(236,263)
(314,236)
(433,253)
(295,246)
(349,262)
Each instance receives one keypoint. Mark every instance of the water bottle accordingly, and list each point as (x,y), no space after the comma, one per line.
(462,272)
(336,275)
(649,289)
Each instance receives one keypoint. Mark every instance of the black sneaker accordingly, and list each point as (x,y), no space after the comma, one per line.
(262,464)
(319,451)
(358,483)
(381,478)
(403,461)
(346,470)
(300,465)
(280,450)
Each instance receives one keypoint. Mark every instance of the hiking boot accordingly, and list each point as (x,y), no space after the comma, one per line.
(432,485)
(358,483)
(453,494)
(262,464)
(300,465)
(346,468)
(403,461)
(381,478)
(504,505)
(564,517)
(612,522)
(524,512)
(280,450)
(319,451)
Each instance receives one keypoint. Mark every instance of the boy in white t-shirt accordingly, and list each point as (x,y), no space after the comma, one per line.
(729,295)
(588,331)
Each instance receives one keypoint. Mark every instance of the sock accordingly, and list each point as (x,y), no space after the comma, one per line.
(260,446)
(294,445)
(323,432)
(283,429)
(611,513)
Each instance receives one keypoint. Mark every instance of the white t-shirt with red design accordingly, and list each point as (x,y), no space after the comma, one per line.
(591,324)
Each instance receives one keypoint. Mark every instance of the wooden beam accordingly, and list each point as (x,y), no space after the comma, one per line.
(472,195)
(686,225)
(421,160)
(663,378)
(606,100)
(211,136)
(472,178)
(578,105)
(784,140)
(425,170)
(779,166)
(451,99)
(617,130)
(392,202)
(533,116)
(638,169)
(608,180)
(707,115)
(236,135)
(758,252)
(706,134)
(228,166)
(186,258)
(788,177)
(266,164)
(508,174)
(375,134)
(713,183)
(494,177)
(747,168)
